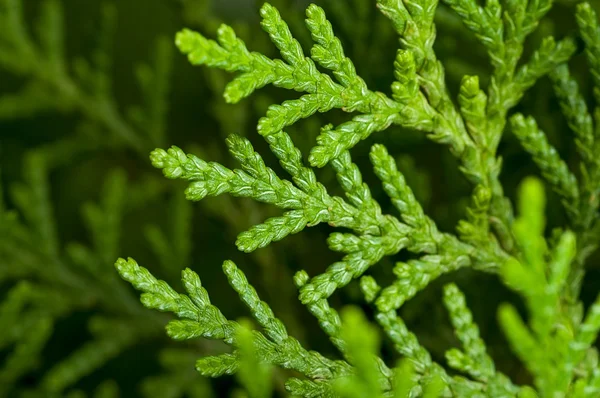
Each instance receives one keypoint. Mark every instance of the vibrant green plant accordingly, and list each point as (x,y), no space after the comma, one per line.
(54,271)
(71,326)
(556,341)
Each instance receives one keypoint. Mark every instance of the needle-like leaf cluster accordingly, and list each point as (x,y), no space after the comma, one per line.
(555,343)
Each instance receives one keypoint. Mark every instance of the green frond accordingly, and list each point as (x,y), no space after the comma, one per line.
(550,55)
(309,388)
(307,208)
(486,23)
(468,333)
(199,318)
(328,317)
(396,188)
(357,192)
(404,341)
(553,168)
(590,32)
(260,310)
(299,73)
(328,51)
(218,365)
(575,110)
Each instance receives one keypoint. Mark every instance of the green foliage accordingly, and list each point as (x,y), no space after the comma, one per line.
(56,281)
(391,249)
(45,279)
(85,87)
(555,344)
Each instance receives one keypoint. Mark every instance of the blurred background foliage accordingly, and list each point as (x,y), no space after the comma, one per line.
(88,88)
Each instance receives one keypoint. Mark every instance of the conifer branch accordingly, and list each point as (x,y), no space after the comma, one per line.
(554,341)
